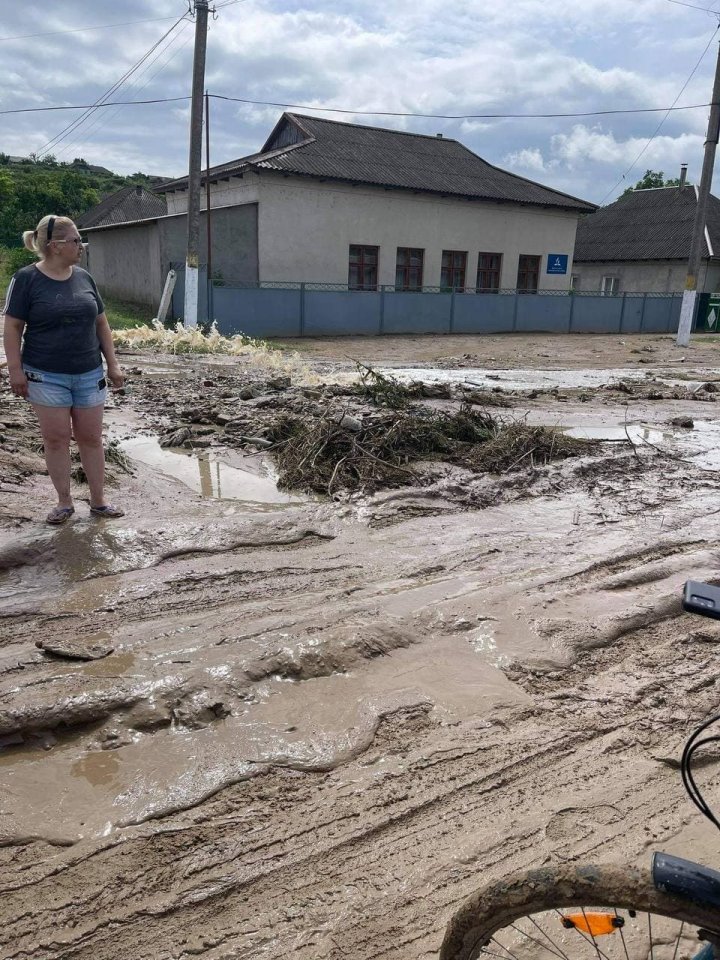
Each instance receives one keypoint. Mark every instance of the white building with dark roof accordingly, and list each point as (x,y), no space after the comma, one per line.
(341,203)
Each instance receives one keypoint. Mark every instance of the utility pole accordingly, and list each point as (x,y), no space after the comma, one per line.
(689,301)
(207,208)
(192,259)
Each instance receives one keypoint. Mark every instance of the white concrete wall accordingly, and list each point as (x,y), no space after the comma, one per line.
(645,276)
(125,262)
(305,229)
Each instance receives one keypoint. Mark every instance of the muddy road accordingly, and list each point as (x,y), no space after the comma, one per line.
(251,722)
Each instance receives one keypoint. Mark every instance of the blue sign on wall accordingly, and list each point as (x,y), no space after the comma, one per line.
(557,263)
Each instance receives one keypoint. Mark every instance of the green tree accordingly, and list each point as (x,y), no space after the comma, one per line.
(651,180)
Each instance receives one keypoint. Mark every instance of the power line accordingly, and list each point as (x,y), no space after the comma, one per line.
(109,103)
(366,113)
(460,116)
(102,120)
(657,129)
(692,6)
(104,26)
(66,131)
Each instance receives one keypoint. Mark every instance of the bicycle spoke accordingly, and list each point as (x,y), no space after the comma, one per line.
(677,942)
(547,935)
(555,952)
(597,948)
(591,933)
(622,938)
(652,952)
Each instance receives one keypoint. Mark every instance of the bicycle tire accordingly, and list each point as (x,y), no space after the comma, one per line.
(498,906)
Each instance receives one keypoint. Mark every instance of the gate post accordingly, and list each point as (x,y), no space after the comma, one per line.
(381,328)
(302,309)
(452,310)
(642,313)
(572,308)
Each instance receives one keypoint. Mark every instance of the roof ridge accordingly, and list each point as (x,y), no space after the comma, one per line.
(367,126)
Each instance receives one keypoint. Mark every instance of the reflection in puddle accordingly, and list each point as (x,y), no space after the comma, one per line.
(634,432)
(483,641)
(699,444)
(97,768)
(206,475)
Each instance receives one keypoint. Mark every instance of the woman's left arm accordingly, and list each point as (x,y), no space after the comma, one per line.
(115,374)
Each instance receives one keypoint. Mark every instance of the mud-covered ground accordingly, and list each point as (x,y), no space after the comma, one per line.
(245,722)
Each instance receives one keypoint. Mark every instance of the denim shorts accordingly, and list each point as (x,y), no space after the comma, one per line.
(66,389)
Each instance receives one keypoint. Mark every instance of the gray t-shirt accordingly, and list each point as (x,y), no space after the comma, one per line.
(60,334)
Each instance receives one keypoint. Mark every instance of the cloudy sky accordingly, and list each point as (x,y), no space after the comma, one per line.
(405,56)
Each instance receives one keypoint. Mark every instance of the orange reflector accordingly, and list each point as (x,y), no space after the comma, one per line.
(596,924)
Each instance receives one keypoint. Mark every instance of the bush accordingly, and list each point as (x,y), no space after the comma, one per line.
(17,257)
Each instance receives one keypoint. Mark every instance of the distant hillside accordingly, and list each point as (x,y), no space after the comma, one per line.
(31,188)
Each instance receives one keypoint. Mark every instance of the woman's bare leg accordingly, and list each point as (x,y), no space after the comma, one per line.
(87,427)
(55,429)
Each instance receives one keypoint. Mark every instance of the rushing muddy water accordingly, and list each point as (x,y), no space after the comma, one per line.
(314,726)
(547,379)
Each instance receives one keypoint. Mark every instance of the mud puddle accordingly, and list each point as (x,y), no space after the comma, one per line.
(700,443)
(253,483)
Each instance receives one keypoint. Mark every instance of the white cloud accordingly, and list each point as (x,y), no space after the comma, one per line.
(411,56)
(526,160)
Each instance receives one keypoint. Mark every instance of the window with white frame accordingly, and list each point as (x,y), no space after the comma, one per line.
(610,286)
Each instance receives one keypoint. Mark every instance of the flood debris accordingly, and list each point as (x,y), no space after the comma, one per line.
(326,454)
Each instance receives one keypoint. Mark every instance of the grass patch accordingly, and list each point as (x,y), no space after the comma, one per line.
(123,315)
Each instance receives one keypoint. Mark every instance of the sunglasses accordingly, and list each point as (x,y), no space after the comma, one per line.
(76,240)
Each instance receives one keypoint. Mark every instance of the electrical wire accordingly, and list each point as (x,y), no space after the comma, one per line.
(104,26)
(66,131)
(460,116)
(87,106)
(102,119)
(692,6)
(659,126)
(366,113)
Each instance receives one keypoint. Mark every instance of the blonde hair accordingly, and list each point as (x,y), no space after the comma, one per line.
(36,240)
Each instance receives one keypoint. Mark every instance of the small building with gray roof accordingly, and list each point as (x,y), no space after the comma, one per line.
(641,244)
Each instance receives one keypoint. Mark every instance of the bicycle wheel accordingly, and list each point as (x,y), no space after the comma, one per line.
(579,913)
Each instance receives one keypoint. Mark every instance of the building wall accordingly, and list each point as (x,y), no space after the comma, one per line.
(650,276)
(131,262)
(125,262)
(234,241)
(306,227)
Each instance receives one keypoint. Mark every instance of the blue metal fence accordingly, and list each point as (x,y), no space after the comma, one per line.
(324,310)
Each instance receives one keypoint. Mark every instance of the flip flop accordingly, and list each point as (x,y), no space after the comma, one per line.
(108,510)
(59,515)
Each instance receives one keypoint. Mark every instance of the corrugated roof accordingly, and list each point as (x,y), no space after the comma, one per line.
(123,206)
(646,225)
(330,150)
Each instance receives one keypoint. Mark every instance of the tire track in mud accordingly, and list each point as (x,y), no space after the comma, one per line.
(369,860)
(369,871)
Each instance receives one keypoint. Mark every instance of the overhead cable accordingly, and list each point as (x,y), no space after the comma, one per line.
(364,113)
(659,126)
(101,120)
(66,131)
(102,26)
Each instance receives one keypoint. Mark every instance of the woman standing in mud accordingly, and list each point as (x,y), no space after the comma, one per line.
(56,333)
